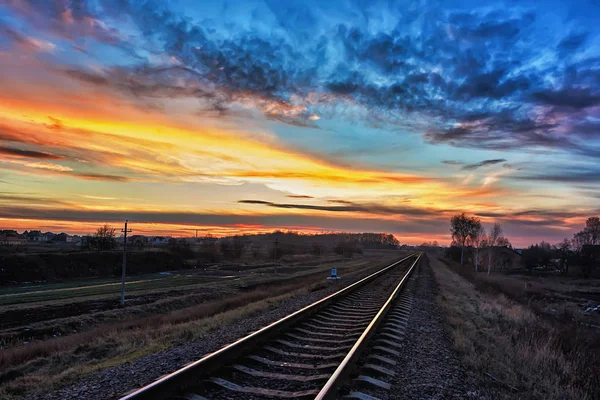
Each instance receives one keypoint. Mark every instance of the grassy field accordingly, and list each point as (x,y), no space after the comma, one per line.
(73,329)
(515,350)
(86,290)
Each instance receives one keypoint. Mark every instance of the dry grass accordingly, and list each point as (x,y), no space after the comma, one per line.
(50,364)
(529,357)
(54,363)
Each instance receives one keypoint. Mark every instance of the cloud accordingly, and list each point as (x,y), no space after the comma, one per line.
(71,21)
(26,43)
(452,162)
(24,199)
(572,43)
(494,93)
(484,163)
(569,97)
(340,202)
(564,176)
(348,206)
(38,165)
(299,196)
(97,197)
(11,151)
(304,206)
(102,177)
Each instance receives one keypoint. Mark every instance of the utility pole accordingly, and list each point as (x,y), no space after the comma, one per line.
(196,235)
(124,263)
(276,247)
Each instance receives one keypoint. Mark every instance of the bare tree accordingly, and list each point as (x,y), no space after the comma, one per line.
(495,234)
(564,247)
(477,241)
(592,227)
(105,238)
(584,243)
(580,239)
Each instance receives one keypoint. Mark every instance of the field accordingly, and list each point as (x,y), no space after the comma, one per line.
(56,333)
(523,336)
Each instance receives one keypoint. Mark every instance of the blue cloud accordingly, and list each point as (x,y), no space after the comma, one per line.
(468,77)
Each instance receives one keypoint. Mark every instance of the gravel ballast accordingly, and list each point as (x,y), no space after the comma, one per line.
(427,367)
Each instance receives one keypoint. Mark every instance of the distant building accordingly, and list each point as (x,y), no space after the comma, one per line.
(73,239)
(61,237)
(36,236)
(13,241)
(8,233)
(49,236)
(159,240)
(137,241)
(502,258)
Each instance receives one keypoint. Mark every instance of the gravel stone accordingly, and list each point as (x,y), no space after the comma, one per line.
(428,367)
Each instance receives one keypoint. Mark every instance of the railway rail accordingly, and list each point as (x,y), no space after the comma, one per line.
(309,354)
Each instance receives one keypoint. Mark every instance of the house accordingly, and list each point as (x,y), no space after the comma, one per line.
(502,258)
(159,240)
(36,236)
(61,237)
(49,236)
(137,241)
(73,239)
(13,241)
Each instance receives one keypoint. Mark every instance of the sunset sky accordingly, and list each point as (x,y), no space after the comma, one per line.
(246,116)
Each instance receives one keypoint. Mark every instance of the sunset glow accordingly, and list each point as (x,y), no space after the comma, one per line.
(252,120)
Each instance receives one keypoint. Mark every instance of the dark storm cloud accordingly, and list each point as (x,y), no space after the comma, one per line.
(484,163)
(575,98)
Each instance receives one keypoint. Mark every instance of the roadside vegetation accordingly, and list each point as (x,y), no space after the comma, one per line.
(512,351)
(528,325)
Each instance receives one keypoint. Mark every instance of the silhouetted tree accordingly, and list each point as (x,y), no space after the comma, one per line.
(104,239)
(477,239)
(564,249)
(495,234)
(462,227)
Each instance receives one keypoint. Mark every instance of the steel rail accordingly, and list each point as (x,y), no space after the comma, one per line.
(172,382)
(331,388)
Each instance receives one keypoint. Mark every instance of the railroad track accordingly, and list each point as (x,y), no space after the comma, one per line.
(309,354)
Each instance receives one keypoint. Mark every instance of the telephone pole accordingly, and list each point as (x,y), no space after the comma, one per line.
(276,251)
(124,263)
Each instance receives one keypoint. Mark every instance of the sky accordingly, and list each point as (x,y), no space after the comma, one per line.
(314,116)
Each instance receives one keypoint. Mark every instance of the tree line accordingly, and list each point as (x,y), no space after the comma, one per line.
(583,250)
